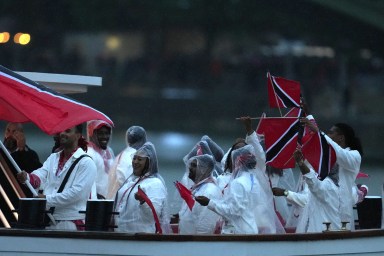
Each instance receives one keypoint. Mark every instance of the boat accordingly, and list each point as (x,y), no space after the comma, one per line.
(16,239)
(21,240)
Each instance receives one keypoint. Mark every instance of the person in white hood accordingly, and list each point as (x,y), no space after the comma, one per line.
(121,168)
(199,219)
(135,213)
(240,196)
(349,152)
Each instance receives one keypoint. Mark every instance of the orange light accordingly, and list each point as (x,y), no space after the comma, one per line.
(16,38)
(4,37)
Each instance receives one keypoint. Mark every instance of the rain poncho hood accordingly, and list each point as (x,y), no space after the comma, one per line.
(148,150)
(135,217)
(136,136)
(205,165)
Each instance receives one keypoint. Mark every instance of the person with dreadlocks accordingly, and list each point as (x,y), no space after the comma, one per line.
(99,136)
(71,160)
(199,219)
(136,214)
(121,168)
(349,152)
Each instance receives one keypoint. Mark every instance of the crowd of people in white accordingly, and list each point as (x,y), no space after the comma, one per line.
(232,192)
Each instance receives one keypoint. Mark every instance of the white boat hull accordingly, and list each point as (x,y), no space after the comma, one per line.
(34,242)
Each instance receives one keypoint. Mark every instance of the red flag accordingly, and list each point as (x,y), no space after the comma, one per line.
(186,194)
(23,100)
(362,175)
(280,135)
(141,193)
(318,153)
(283,93)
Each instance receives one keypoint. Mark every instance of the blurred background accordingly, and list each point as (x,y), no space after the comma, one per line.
(185,68)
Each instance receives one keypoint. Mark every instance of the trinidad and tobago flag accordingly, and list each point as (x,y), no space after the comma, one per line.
(280,135)
(318,153)
(283,93)
(23,100)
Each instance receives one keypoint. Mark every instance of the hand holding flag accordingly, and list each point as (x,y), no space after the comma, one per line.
(139,197)
(319,153)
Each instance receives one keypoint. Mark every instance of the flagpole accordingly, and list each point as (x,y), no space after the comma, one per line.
(17,168)
(254,118)
(27,183)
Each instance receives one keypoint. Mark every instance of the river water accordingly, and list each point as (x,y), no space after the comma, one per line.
(171,147)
